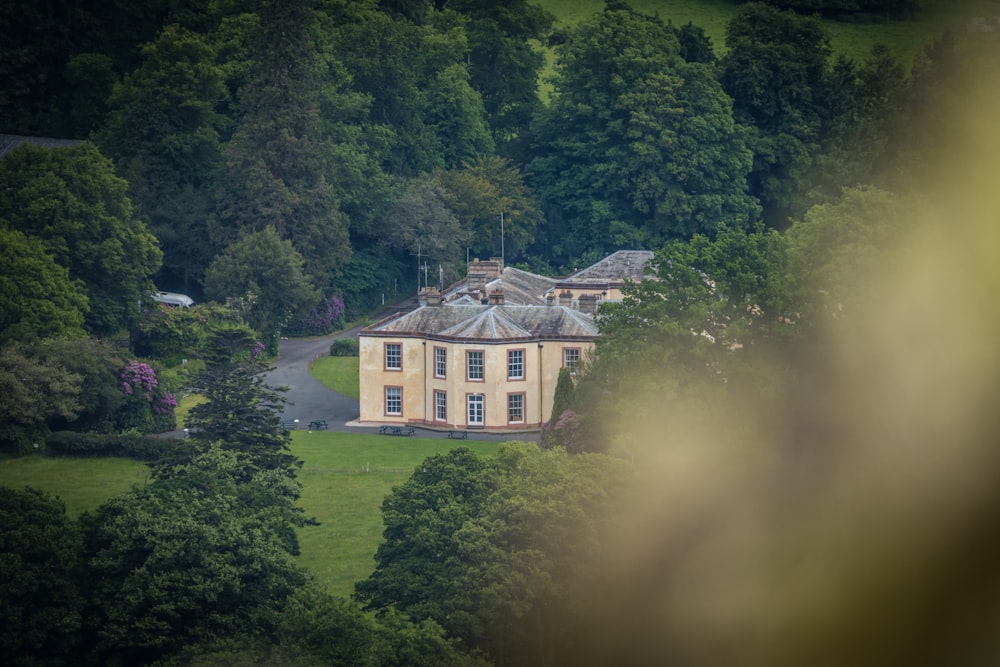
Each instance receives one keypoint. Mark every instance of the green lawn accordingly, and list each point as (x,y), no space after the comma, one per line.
(904,38)
(344,479)
(83,484)
(337,373)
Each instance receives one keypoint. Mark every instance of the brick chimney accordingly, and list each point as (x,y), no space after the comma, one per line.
(431,296)
(550,299)
(566,299)
(496,297)
(588,303)
(481,272)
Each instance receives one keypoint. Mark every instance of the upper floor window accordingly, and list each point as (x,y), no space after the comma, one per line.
(393,356)
(515,364)
(440,362)
(571,357)
(474,364)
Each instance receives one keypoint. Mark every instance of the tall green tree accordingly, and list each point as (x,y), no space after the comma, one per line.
(269,273)
(98,363)
(480,192)
(637,145)
(417,563)
(702,329)
(836,248)
(862,116)
(37,297)
(505,62)
(774,70)
(498,551)
(41,553)
(197,557)
(72,201)
(241,413)
(421,223)
(279,161)
(164,134)
(33,390)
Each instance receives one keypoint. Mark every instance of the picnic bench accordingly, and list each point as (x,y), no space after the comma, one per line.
(396,430)
(458,435)
(318,424)
(288,424)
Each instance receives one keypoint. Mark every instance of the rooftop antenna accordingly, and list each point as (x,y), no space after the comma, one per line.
(417,253)
(501,236)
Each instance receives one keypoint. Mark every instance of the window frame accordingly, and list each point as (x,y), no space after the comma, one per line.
(385,357)
(385,401)
(522,408)
(482,404)
(482,366)
(440,405)
(442,362)
(576,362)
(524,363)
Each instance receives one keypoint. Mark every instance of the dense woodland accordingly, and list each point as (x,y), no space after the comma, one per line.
(289,162)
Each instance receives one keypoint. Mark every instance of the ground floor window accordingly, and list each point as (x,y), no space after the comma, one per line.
(393,400)
(515,408)
(476,404)
(440,406)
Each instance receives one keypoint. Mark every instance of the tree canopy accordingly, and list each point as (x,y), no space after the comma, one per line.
(72,201)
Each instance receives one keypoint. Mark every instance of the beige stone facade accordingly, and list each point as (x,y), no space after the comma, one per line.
(469,367)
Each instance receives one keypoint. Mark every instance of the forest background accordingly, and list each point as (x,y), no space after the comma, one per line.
(289,162)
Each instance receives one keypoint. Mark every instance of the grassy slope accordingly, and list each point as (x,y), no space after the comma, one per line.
(83,484)
(338,373)
(904,38)
(344,479)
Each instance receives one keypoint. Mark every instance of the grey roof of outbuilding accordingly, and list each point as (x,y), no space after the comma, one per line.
(488,324)
(613,269)
(9,142)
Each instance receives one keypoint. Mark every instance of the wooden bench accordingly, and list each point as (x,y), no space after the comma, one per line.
(318,424)
(396,430)
(288,424)
(458,435)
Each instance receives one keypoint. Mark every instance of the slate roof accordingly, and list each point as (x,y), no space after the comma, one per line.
(519,288)
(612,270)
(9,142)
(506,323)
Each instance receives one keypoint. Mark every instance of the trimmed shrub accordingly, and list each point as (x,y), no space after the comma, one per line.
(99,445)
(344,347)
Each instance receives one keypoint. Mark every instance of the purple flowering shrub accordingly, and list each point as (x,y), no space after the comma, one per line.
(326,317)
(566,432)
(147,408)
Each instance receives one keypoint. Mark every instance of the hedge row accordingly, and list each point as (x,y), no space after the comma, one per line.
(138,447)
(344,347)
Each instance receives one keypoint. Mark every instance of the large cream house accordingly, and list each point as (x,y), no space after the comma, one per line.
(486,352)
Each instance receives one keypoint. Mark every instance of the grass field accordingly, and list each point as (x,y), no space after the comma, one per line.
(338,373)
(344,479)
(904,38)
(83,484)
